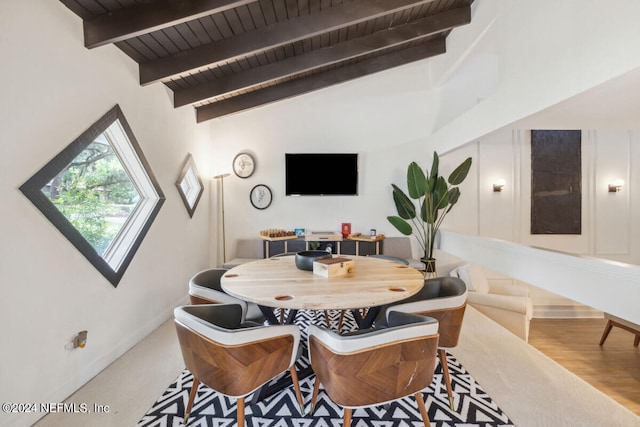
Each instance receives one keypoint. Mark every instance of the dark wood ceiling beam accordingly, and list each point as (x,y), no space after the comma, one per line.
(329,19)
(321,57)
(144,18)
(319,81)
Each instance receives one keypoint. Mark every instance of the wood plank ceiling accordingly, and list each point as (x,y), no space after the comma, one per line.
(226,56)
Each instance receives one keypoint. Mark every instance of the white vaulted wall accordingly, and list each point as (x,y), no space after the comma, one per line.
(516,67)
(54,89)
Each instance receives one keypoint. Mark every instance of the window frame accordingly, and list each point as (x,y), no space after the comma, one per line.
(190,176)
(134,158)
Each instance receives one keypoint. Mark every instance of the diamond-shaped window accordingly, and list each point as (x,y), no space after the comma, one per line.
(100,193)
(190,185)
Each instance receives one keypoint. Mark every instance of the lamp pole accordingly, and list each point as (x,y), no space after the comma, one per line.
(221,177)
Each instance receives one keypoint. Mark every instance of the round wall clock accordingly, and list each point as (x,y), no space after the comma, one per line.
(243,165)
(260,196)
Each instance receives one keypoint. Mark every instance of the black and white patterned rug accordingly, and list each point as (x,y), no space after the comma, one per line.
(474,408)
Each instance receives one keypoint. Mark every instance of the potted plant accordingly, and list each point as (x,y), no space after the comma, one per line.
(435,198)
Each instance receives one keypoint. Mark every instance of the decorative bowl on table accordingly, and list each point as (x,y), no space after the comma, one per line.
(305,259)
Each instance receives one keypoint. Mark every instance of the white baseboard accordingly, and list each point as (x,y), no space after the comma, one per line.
(95,367)
(565,312)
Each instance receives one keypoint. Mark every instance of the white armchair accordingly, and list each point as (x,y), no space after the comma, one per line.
(507,304)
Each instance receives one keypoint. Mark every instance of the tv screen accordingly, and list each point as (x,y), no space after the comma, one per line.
(334,174)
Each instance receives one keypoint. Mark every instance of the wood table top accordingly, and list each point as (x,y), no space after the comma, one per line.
(277,282)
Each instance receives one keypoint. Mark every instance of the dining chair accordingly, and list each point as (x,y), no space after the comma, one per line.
(445,299)
(375,367)
(205,288)
(233,358)
(391,258)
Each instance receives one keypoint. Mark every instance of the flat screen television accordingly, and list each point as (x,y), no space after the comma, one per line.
(315,174)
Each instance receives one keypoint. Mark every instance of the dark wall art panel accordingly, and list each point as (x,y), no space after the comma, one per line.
(556,178)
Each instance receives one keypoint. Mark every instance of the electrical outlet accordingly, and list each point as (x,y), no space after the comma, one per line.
(80,340)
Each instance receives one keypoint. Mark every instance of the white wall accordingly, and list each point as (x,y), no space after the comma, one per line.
(418,106)
(378,117)
(608,231)
(53,89)
(545,51)
(512,61)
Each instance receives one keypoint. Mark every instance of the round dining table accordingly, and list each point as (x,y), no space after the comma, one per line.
(277,283)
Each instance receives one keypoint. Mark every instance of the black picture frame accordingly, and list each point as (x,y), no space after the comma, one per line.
(556,182)
(261,197)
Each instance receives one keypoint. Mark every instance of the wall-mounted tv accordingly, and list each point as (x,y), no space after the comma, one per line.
(315,174)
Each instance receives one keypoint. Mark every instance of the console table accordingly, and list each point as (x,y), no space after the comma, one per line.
(359,246)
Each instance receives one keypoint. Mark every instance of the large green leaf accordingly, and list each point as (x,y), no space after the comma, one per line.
(460,173)
(440,194)
(404,205)
(400,224)
(454,195)
(416,181)
(427,212)
(435,165)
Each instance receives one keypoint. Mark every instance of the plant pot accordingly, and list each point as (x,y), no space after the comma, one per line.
(429,264)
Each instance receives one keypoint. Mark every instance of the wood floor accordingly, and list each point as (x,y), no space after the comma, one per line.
(613,368)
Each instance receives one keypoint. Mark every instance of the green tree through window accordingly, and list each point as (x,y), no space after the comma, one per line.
(100,193)
(95,194)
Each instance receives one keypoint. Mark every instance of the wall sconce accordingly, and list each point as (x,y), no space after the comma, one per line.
(497,186)
(616,186)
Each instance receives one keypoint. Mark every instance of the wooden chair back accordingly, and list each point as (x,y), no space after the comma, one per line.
(376,366)
(234,370)
(231,357)
(450,320)
(375,375)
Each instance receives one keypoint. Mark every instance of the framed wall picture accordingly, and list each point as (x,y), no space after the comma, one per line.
(244,165)
(260,196)
(556,182)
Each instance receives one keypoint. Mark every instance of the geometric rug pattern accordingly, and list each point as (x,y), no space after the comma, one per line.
(473,407)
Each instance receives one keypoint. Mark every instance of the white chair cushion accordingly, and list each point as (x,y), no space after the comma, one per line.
(351,343)
(474,277)
(508,288)
(516,304)
(431,304)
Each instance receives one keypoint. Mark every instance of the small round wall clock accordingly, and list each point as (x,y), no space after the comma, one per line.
(244,165)
(260,196)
